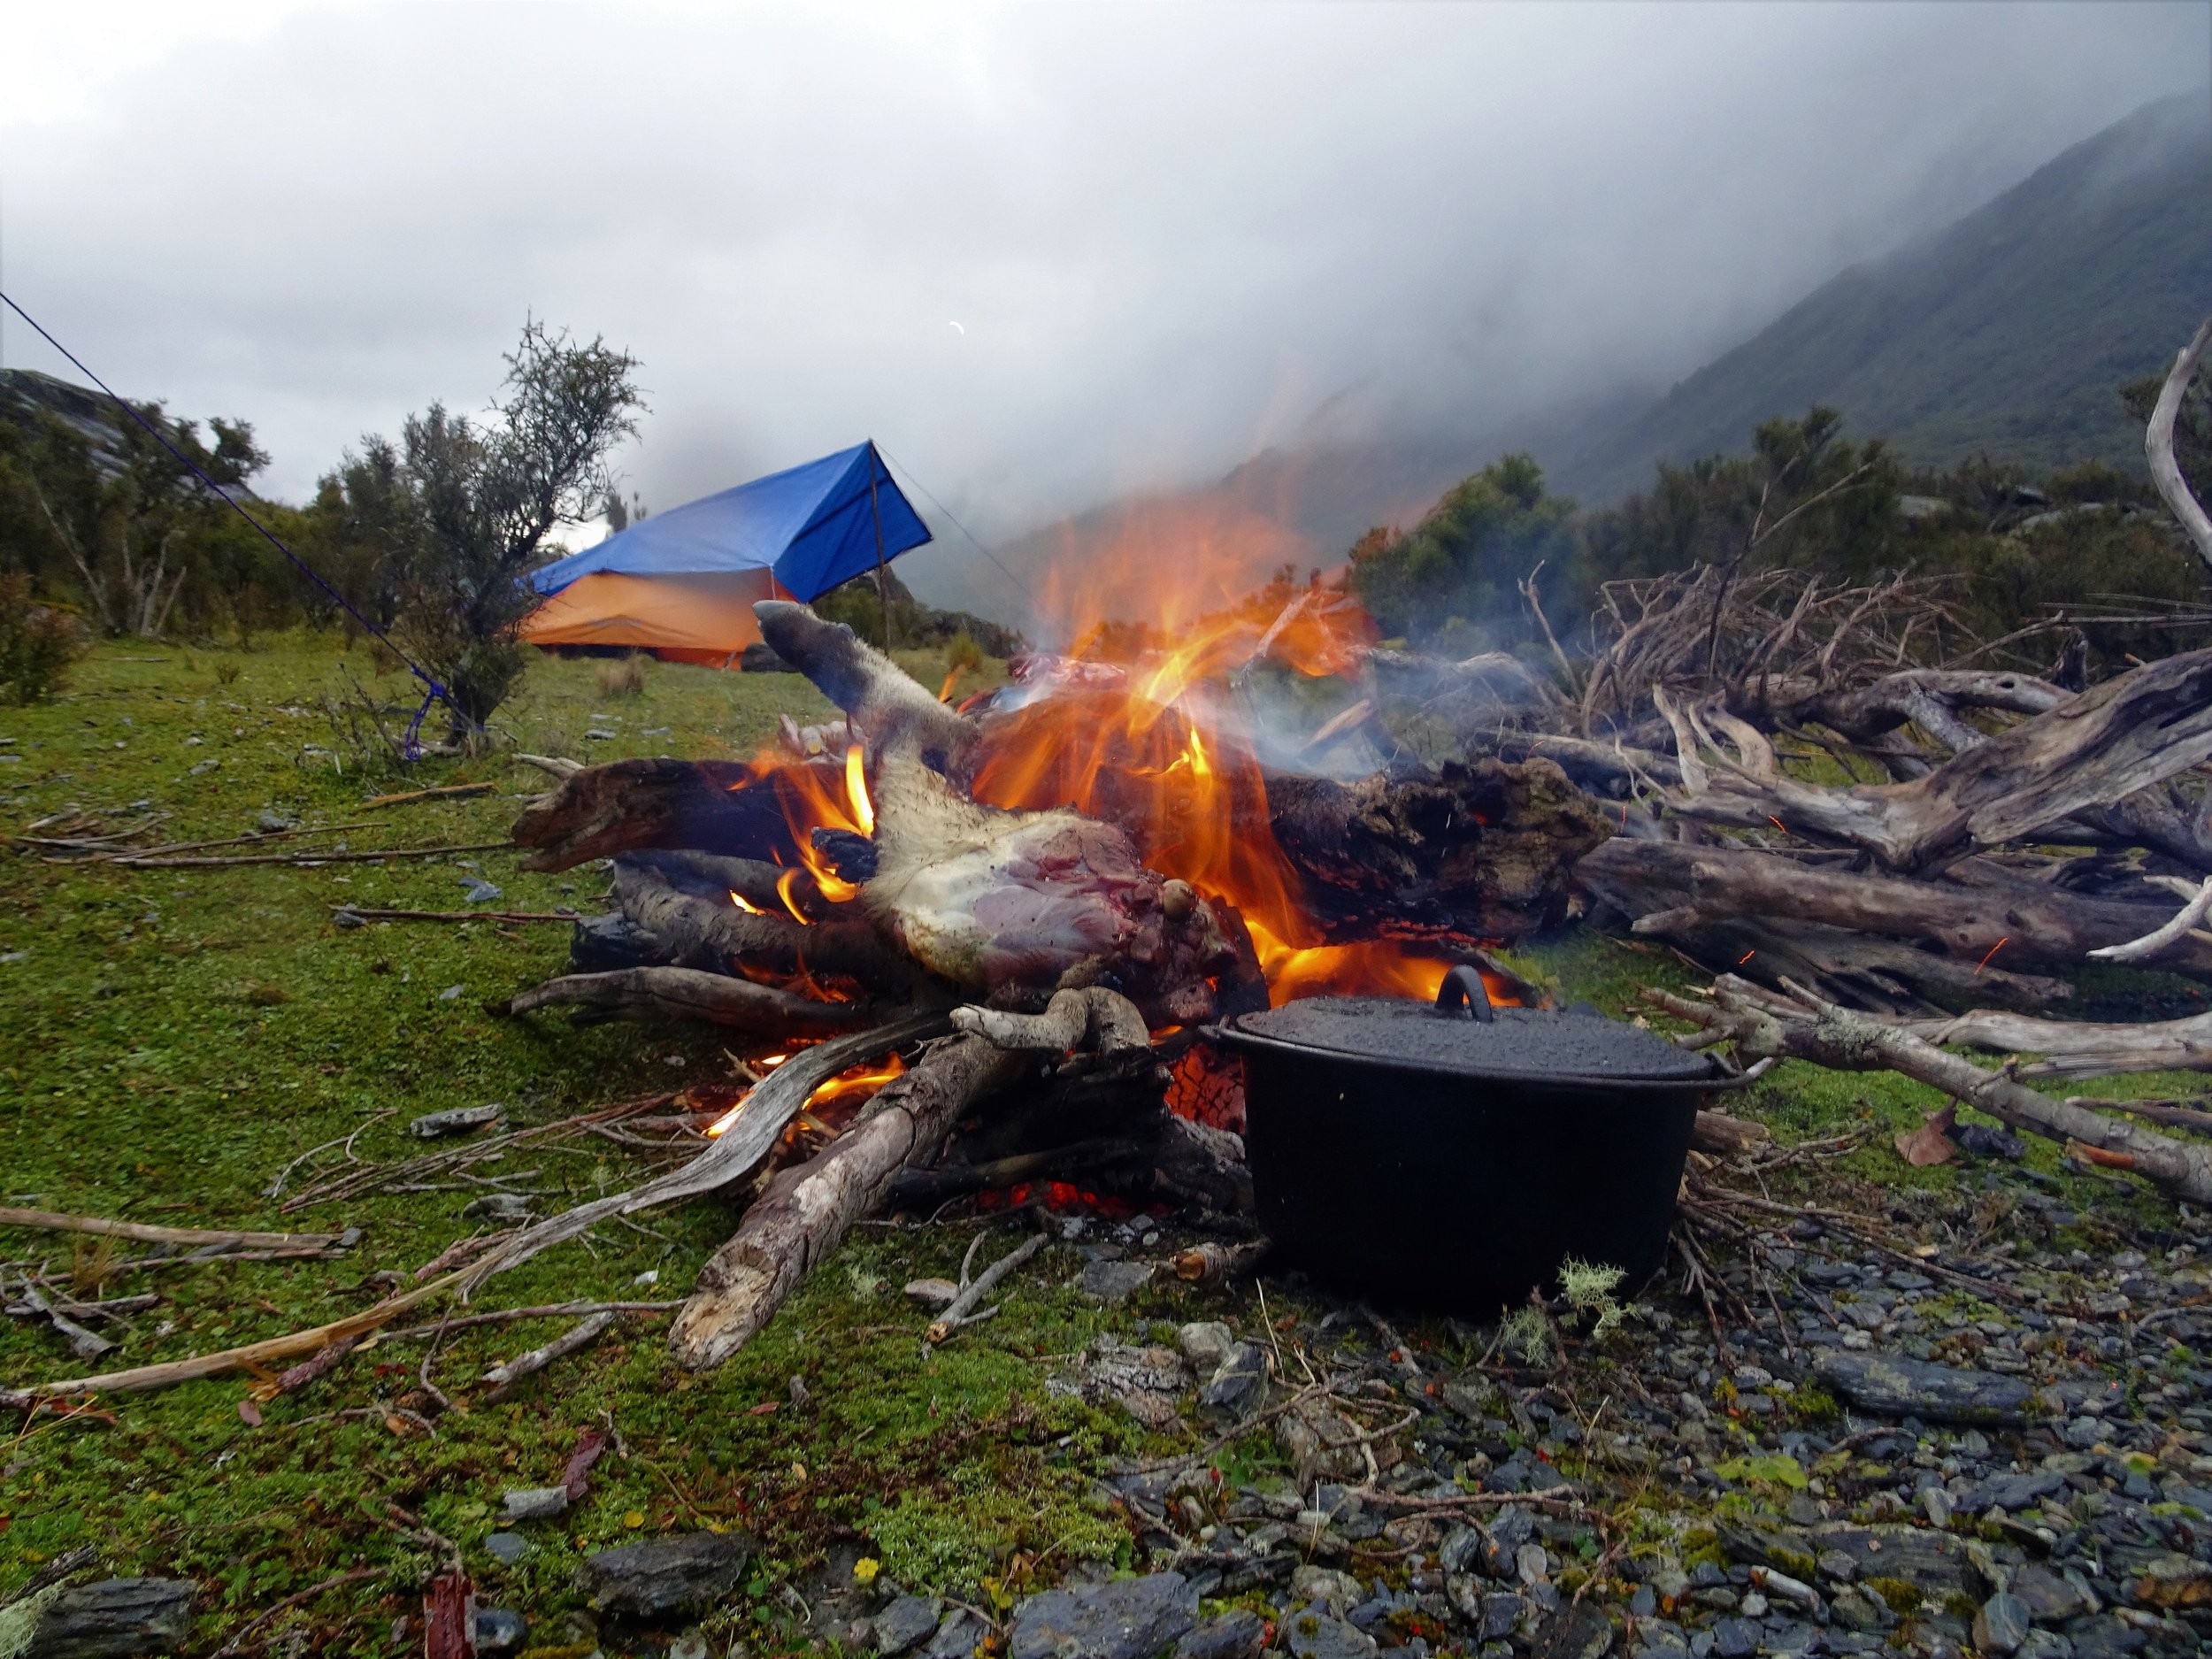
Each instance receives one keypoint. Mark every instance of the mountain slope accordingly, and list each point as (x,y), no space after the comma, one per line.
(2008,332)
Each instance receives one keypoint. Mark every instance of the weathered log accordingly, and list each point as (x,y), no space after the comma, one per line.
(1672,888)
(1092,1017)
(2078,1048)
(1799,1025)
(809,1207)
(1725,1136)
(689,994)
(1611,769)
(1936,700)
(721,805)
(2132,731)
(1882,976)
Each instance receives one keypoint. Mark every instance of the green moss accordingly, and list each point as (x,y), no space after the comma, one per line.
(1901,1596)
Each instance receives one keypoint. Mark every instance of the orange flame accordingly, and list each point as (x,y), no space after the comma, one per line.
(856,792)
(745,904)
(862,1080)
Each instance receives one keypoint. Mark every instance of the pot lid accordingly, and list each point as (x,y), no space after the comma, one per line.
(1460,1035)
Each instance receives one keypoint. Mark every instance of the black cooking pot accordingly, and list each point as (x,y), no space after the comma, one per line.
(1452,1156)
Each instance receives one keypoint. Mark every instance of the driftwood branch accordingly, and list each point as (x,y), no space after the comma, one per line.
(1094,1018)
(689,994)
(502,1378)
(1801,1027)
(881,699)
(55,1221)
(2160,940)
(2080,1048)
(2158,444)
(809,1208)
(1671,887)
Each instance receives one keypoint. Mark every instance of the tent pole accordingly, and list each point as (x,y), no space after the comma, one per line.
(883,580)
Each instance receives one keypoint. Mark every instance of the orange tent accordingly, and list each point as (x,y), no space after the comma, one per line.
(690,616)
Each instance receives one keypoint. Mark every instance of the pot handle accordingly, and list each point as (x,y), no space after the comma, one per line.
(1462,988)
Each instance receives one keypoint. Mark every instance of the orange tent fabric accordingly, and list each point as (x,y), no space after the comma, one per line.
(693,617)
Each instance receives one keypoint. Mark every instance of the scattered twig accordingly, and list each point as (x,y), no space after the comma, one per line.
(55,1221)
(162,861)
(956,1314)
(503,1378)
(356,911)
(295,1600)
(443,792)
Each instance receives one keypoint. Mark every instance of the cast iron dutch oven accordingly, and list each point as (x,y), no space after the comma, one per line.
(1452,1156)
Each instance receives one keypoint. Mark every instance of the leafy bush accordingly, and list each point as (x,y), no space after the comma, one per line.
(962,655)
(37,642)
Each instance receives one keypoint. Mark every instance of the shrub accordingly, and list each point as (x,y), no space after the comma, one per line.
(37,643)
(226,671)
(625,677)
(962,655)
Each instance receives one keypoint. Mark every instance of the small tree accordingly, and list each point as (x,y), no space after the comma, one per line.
(480,498)
(133,521)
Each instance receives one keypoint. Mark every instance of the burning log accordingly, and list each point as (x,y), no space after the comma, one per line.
(1800,1025)
(809,1207)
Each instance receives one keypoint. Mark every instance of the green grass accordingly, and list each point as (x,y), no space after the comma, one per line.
(176,1038)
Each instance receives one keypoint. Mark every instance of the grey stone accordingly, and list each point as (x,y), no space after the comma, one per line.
(1319,1583)
(1656,1638)
(1500,1550)
(1460,1548)
(2011,1493)
(2050,1597)
(1893,1385)
(1234,1635)
(2045,1644)
(1313,1635)
(2105,1638)
(1205,1344)
(2002,1624)
(906,1622)
(1936,1563)
(1857,1608)
(1115,1281)
(1238,1382)
(1643,1602)
(533,1504)
(690,1645)
(1581,1631)
(1837,1565)
(506,1547)
(667,1575)
(116,1618)
(1125,1618)
(1736,1638)
(958,1637)
(1501,1615)
(497,1630)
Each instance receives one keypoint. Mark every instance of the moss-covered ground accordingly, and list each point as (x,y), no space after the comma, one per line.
(174,1038)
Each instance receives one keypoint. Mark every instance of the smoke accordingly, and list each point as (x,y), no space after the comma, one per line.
(1045,254)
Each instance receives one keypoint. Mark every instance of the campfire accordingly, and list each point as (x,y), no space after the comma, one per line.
(1045,895)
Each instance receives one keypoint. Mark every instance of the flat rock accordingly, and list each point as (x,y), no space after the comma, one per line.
(1125,1618)
(533,1504)
(1893,1385)
(2050,1597)
(454,1120)
(1736,1638)
(1115,1281)
(1235,1635)
(2001,1624)
(506,1547)
(114,1619)
(1501,1613)
(906,1622)
(1314,1634)
(1934,1562)
(1205,1343)
(667,1575)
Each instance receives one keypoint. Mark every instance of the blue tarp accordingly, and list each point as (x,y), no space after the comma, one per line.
(814,525)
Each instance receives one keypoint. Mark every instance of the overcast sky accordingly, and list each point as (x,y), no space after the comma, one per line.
(1042,253)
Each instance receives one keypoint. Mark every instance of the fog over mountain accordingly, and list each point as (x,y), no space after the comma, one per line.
(1046,254)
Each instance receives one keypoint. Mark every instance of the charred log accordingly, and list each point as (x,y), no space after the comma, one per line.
(628,804)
